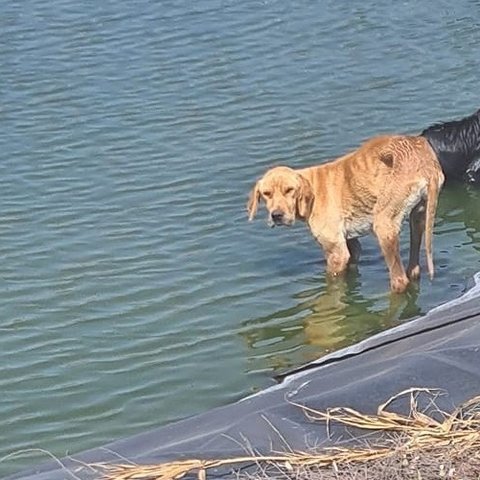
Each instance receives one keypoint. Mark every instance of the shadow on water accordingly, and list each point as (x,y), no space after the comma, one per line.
(461,205)
(337,313)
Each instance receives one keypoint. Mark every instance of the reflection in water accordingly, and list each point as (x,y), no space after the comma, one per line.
(324,319)
(336,313)
(329,324)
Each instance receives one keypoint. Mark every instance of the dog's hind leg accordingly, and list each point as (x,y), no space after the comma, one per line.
(355,249)
(417,227)
(387,230)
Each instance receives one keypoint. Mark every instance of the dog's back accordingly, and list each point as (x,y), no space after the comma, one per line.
(387,162)
(386,177)
(363,177)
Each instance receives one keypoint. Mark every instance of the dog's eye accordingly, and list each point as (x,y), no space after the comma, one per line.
(267,193)
(289,190)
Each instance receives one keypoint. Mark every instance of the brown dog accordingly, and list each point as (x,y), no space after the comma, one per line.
(371,189)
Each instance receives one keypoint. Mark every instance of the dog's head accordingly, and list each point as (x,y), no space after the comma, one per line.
(287,196)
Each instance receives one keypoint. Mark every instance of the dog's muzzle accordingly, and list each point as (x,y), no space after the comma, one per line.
(277,218)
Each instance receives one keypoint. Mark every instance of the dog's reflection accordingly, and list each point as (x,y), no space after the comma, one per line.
(324,319)
(339,315)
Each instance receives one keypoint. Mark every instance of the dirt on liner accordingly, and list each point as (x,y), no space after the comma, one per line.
(420,446)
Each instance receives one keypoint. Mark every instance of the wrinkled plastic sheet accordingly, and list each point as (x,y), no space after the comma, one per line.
(439,350)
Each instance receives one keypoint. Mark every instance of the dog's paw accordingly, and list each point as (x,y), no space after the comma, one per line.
(399,284)
(413,273)
(337,264)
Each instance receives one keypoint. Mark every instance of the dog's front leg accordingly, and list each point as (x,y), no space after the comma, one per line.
(387,232)
(329,235)
(337,256)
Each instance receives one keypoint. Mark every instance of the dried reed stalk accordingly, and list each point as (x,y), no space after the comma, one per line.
(418,431)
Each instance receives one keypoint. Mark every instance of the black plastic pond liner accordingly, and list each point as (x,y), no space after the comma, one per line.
(439,350)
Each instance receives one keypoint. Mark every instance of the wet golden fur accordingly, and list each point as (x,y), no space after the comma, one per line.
(370,189)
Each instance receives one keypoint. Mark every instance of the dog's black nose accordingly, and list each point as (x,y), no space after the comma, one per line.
(277,216)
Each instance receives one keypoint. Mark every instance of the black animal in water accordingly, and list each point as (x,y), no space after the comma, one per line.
(457,145)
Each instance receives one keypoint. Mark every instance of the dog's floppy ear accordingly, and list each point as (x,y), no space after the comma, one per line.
(253,202)
(304,199)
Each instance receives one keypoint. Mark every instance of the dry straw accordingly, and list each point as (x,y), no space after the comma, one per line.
(413,433)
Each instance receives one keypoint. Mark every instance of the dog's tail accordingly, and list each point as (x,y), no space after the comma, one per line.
(433,191)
